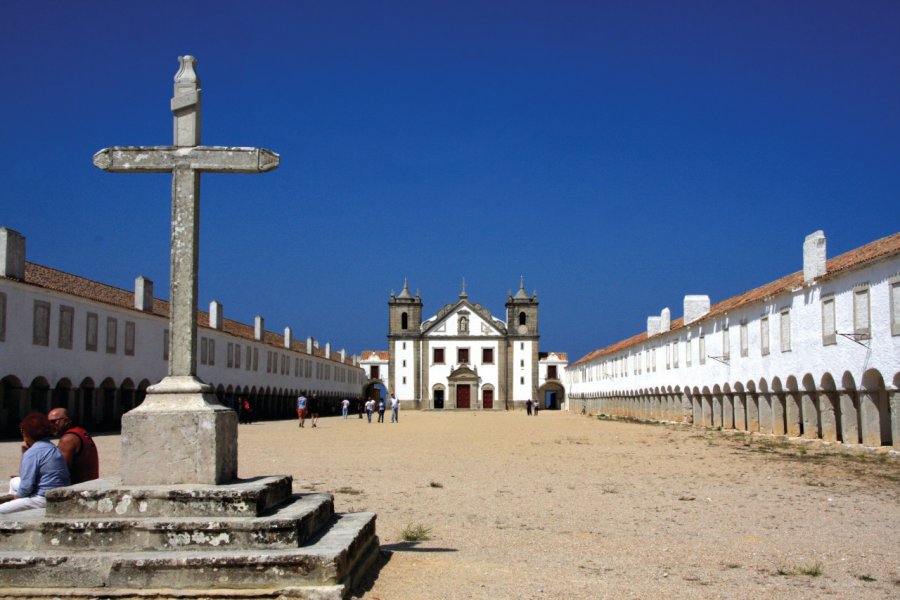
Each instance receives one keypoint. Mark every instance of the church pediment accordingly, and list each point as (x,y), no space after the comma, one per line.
(464,319)
(462,373)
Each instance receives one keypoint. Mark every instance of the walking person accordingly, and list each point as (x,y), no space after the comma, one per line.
(395,409)
(314,409)
(345,407)
(528,407)
(301,409)
(381,410)
(536,404)
(370,407)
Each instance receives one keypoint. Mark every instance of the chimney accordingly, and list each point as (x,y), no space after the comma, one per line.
(327,349)
(665,320)
(259,327)
(143,294)
(355,360)
(695,307)
(343,354)
(12,254)
(288,337)
(215,315)
(652,326)
(309,345)
(814,256)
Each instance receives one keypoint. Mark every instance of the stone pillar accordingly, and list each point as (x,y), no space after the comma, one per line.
(778,401)
(827,415)
(792,411)
(740,412)
(849,416)
(729,410)
(696,411)
(764,404)
(869,418)
(894,403)
(716,410)
(809,414)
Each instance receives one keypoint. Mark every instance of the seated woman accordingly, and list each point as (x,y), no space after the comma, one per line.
(43,466)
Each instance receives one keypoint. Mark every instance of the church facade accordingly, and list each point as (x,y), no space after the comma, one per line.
(464,357)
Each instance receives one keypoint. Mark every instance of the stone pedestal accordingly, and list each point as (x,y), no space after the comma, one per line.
(179,434)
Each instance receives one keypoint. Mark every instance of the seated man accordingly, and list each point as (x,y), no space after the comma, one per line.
(77,446)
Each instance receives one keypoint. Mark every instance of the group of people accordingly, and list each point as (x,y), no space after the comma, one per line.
(529,406)
(45,465)
(371,406)
(309,407)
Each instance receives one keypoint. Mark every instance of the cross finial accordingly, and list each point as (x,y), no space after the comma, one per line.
(463,294)
(186,103)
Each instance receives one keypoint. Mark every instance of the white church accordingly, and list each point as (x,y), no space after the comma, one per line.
(465,358)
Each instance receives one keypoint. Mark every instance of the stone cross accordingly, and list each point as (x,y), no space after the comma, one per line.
(202,447)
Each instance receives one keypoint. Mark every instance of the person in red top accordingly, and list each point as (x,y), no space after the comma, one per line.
(77,447)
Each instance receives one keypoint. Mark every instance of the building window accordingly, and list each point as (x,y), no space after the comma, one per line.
(129,338)
(404,380)
(829,329)
(487,356)
(668,356)
(237,357)
(66,326)
(41,323)
(2,317)
(404,321)
(112,335)
(462,355)
(895,310)
(653,359)
(688,350)
(702,350)
(521,345)
(521,381)
(676,350)
(204,350)
(404,363)
(268,361)
(726,344)
(861,322)
(786,330)
(403,345)
(255,359)
(165,344)
(744,341)
(229,355)
(438,354)
(523,318)
(376,372)
(551,372)
(764,336)
(90,339)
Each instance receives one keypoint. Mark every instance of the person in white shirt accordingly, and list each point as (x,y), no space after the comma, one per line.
(395,408)
(345,407)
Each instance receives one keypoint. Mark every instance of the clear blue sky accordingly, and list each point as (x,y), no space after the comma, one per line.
(619,155)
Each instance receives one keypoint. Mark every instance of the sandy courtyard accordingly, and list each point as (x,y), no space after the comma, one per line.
(565,506)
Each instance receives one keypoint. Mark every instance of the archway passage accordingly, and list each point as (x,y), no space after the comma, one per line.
(552,396)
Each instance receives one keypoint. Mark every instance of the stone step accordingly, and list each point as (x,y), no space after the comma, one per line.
(287,526)
(327,567)
(107,497)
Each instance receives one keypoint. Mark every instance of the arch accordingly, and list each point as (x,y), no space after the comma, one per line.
(552,393)
(62,396)
(38,395)
(85,398)
(12,395)
(523,318)
(127,395)
(106,406)
(875,417)
(404,320)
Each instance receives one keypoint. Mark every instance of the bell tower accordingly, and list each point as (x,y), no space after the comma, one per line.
(404,344)
(522,347)
(522,313)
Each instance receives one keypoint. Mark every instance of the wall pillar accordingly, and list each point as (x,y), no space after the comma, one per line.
(764,404)
(752,401)
(792,412)
(810,414)
(894,404)
(869,418)
(729,410)
(778,401)
(828,415)
(849,416)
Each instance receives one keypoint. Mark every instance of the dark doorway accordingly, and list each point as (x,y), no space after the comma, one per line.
(488,399)
(439,398)
(463,396)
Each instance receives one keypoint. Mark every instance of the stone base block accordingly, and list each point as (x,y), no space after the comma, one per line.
(178,436)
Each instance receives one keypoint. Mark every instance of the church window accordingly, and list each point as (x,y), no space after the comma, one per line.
(112,335)
(786,330)
(523,318)
(90,339)
(744,341)
(404,362)
(404,321)
(487,356)
(229,361)
(2,317)
(521,381)
(404,345)
(522,363)
(66,326)
(404,380)
(462,355)
(41,323)
(462,325)
(165,344)
(438,354)
(726,344)
(829,332)
(129,338)
(861,324)
(764,336)
(521,345)
(895,310)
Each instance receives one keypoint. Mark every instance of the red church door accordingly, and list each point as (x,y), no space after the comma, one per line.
(488,399)
(463,396)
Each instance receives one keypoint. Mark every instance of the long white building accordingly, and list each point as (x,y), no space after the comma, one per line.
(815,354)
(93,348)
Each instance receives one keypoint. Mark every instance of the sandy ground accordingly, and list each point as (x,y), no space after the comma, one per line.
(565,506)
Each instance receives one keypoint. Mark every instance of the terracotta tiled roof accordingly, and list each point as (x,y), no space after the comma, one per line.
(60,281)
(379,355)
(877,250)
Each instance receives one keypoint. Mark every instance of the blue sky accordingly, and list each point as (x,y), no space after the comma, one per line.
(619,155)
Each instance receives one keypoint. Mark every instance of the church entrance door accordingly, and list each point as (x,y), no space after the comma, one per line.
(463,397)
(488,399)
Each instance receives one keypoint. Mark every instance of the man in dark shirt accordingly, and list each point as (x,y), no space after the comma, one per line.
(77,446)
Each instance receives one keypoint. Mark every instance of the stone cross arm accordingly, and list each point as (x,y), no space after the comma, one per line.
(165,159)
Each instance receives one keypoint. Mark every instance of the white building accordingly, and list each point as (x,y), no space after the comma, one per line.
(813,354)
(93,348)
(465,358)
